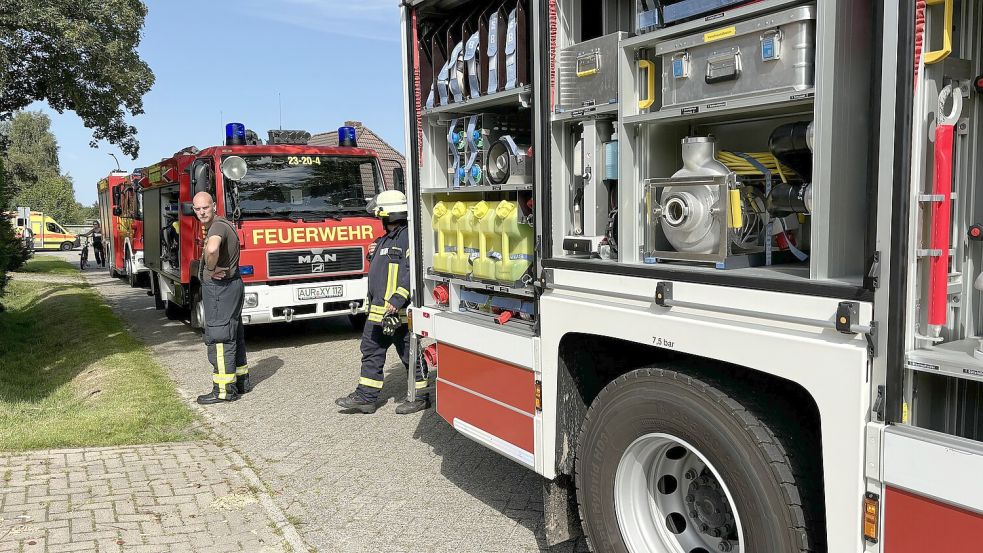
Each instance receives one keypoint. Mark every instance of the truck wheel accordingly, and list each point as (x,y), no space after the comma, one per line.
(155,290)
(66,246)
(197,309)
(668,463)
(358,321)
(173,311)
(132,278)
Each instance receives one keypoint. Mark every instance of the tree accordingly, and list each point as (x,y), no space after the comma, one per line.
(78,56)
(31,159)
(12,252)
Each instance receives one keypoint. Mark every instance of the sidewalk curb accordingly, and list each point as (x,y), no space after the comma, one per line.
(276,514)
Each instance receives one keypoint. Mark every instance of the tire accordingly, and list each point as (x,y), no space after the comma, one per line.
(132,278)
(358,321)
(158,298)
(66,246)
(665,460)
(197,309)
(173,311)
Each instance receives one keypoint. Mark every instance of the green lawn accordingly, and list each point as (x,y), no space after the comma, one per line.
(50,266)
(71,376)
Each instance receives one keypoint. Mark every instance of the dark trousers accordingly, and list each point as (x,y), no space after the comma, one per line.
(100,257)
(224,336)
(374,346)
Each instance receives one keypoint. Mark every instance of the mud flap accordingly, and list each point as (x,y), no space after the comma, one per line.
(560,510)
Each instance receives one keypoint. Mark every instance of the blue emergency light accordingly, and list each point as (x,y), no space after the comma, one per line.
(346,136)
(246,270)
(235,134)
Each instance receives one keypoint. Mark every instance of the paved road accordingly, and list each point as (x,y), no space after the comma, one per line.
(184,497)
(378,482)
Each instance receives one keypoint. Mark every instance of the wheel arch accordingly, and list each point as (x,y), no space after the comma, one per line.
(588,362)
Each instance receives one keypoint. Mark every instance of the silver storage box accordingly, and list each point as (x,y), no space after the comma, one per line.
(588,73)
(775,53)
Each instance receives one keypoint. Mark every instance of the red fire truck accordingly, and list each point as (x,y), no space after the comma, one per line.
(121,217)
(711,268)
(301,215)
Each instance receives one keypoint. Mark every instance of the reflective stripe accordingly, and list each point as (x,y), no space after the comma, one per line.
(421,384)
(221,378)
(375,317)
(243,370)
(370,383)
(380,309)
(392,282)
(402,292)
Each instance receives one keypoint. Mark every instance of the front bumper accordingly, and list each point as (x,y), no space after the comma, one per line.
(280,304)
(137,263)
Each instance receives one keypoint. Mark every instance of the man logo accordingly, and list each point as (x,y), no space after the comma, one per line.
(318,258)
(317,268)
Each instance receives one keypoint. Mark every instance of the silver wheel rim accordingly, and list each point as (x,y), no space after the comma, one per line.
(670,499)
(200,313)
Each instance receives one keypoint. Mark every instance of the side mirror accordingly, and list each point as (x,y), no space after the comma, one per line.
(116,195)
(399,179)
(200,177)
(370,205)
(187,208)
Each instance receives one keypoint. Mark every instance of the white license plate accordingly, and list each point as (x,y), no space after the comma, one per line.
(320,292)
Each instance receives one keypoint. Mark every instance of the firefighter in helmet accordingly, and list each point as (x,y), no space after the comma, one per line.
(389,295)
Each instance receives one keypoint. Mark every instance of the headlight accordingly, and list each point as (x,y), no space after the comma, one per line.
(251,300)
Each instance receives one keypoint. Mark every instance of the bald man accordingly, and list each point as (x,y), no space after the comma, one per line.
(222,294)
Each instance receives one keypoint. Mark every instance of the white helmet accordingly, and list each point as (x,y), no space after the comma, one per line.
(390,205)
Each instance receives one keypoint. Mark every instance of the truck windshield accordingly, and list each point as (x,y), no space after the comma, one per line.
(275,186)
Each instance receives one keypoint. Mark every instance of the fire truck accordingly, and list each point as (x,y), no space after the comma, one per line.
(301,215)
(711,268)
(121,217)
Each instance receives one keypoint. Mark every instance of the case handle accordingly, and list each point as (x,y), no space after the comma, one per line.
(648,68)
(935,56)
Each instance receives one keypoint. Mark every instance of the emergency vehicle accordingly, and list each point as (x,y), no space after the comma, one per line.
(121,218)
(711,268)
(301,215)
(48,233)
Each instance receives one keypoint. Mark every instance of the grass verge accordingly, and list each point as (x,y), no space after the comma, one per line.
(49,265)
(71,376)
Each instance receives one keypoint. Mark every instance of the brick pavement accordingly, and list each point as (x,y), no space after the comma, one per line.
(181,497)
(378,482)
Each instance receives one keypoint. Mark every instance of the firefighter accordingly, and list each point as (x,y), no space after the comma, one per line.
(389,295)
(222,294)
(97,246)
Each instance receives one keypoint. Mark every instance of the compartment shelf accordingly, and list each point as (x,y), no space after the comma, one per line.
(524,291)
(712,20)
(518,328)
(586,112)
(776,104)
(518,96)
(472,189)
(953,359)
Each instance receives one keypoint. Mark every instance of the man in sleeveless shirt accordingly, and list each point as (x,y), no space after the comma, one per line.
(222,294)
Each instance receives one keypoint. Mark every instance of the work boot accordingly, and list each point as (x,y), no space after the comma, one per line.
(243,386)
(355,402)
(407,407)
(212,397)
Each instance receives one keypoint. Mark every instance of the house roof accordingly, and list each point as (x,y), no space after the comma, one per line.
(389,157)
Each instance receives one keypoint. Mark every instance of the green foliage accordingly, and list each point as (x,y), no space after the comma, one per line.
(31,158)
(71,375)
(78,56)
(12,252)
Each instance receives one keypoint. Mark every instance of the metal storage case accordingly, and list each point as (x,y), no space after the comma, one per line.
(768,54)
(588,73)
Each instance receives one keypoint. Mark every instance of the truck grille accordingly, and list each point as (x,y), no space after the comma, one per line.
(315,262)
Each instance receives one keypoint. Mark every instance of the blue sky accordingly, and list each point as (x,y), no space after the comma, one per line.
(226,60)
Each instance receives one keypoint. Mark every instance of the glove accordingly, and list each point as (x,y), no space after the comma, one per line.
(390,323)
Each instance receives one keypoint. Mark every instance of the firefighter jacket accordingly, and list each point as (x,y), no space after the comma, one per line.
(389,274)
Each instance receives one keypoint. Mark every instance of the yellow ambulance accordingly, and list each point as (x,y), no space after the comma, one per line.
(47,232)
